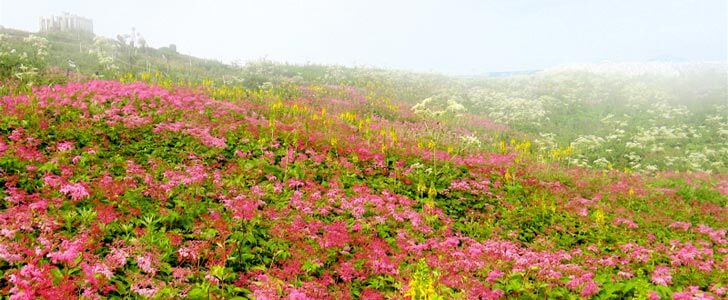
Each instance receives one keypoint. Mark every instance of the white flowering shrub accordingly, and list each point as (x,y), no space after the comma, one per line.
(104,50)
(23,64)
(442,104)
(659,118)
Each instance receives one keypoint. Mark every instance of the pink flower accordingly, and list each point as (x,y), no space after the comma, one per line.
(76,191)
(9,253)
(190,252)
(296,295)
(684,295)
(346,271)
(145,287)
(625,274)
(684,226)
(494,275)
(106,213)
(485,293)
(31,282)
(181,274)
(65,146)
(212,279)
(242,207)
(626,222)
(661,276)
(116,258)
(371,294)
(68,252)
(652,295)
(335,235)
(17,135)
(92,272)
(719,290)
(53,180)
(146,263)
(590,289)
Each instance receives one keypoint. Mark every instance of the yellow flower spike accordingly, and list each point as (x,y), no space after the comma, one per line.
(431,144)
(423,284)
(526,146)
(432,192)
(508,176)
(450,149)
(631,192)
(333,141)
(599,217)
(354,158)
(421,187)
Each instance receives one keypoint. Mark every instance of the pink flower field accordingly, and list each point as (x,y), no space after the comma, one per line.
(131,190)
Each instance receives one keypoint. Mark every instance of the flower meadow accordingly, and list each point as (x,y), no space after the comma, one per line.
(117,189)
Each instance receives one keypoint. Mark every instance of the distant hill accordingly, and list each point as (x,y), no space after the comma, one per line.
(77,51)
(662,68)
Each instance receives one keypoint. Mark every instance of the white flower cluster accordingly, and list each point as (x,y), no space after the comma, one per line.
(510,109)
(587,143)
(442,104)
(24,65)
(104,50)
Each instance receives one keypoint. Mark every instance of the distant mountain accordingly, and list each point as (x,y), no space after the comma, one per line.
(662,68)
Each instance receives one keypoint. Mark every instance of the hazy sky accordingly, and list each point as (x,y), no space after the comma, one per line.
(456,37)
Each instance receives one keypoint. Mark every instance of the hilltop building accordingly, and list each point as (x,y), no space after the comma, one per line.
(66,22)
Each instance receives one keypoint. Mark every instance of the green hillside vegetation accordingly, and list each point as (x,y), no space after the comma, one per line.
(109,58)
(674,119)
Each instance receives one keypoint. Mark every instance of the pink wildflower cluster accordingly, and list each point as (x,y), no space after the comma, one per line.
(68,251)
(661,275)
(65,146)
(77,191)
(716,235)
(684,226)
(242,207)
(471,186)
(202,134)
(626,222)
(585,282)
(191,175)
(335,235)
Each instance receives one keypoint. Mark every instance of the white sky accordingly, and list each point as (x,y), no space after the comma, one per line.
(455,37)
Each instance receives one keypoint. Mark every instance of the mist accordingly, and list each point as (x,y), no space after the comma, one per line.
(451,37)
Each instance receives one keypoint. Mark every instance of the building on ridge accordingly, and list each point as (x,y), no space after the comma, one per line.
(66,22)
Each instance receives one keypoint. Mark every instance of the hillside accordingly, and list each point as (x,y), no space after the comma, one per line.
(82,50)
(325,182)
